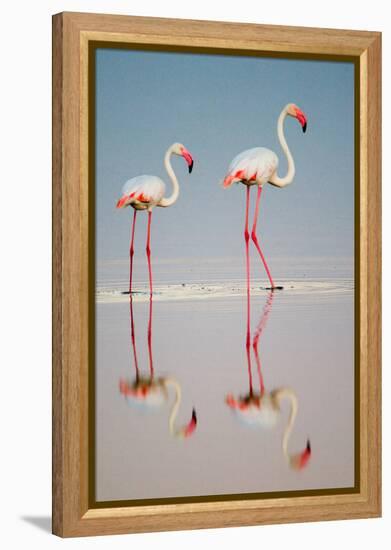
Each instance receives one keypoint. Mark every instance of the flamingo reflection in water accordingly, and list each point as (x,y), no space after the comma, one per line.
(263,408)
(152,392)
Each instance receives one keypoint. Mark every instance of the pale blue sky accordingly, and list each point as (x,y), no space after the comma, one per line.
(218,106)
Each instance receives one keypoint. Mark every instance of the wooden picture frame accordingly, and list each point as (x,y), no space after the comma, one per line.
(73,34)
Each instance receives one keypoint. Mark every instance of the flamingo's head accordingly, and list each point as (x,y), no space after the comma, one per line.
(179,149)
(296,112)
(189,429)
(300,460)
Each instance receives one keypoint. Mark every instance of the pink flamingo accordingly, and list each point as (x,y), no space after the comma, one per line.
(145,192)
(264,408)
(259,166)
(151,392)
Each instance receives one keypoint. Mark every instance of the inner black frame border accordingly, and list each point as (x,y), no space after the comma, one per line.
(91,94)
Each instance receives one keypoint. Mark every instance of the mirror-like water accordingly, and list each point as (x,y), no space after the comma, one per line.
(190,402)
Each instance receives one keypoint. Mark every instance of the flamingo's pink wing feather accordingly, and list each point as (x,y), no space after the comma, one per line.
(251,165)
(146,189)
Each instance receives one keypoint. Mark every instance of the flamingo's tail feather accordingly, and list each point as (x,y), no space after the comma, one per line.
(228,181)
(122,202)
(232,178)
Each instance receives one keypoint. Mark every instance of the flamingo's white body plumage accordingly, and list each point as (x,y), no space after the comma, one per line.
(143,192)
(265,415)
(253,166)
(145,394)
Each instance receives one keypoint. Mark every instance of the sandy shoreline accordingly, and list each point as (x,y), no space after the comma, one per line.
(226,289)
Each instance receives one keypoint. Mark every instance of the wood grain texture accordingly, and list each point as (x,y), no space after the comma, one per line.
(373,222)
(222,35)
(57,402)
(67,327)
(71,35)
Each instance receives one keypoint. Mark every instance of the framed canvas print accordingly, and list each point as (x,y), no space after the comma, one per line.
(216,274)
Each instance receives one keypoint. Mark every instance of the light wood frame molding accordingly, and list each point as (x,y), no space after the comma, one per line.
(72,34)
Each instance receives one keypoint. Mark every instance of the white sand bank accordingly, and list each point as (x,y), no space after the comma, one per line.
(207,291)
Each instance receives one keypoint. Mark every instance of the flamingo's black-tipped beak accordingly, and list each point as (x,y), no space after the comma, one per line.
(194,416)
(191,426)
(301,460)
(188,158)
(301,117)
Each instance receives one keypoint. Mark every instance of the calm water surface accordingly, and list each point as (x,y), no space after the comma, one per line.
(305,343)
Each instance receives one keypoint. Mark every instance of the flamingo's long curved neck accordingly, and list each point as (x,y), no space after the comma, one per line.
(288,393)
(175,407)
(288,178)
(168,201)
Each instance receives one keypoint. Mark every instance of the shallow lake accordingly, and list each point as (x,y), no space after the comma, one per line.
(306,343)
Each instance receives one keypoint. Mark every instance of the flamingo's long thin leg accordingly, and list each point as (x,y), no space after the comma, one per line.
(257,335)
(259,367)
(131,251)
(248,337)
(255,239)
(148,251)
(133,338)
(249,367)
(151,370)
